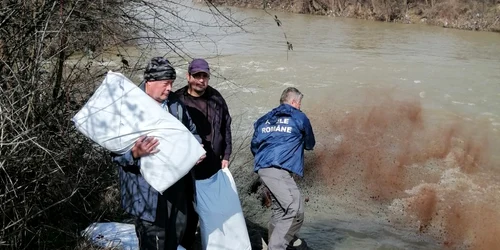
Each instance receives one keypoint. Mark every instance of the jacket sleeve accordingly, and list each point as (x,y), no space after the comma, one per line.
(309,140)
(126,161)
(227,136)
(188,122)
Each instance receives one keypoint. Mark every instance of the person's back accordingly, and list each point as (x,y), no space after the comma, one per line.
(280,139)
(278,144)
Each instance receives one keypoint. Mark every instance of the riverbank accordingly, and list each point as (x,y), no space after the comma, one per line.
(459,14)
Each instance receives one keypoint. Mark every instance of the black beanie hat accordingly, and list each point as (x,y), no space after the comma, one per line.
(159,68)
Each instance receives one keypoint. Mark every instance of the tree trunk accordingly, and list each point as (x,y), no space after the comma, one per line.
(341,5)
(373,6)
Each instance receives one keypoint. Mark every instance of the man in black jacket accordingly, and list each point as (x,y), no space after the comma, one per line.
(210,114)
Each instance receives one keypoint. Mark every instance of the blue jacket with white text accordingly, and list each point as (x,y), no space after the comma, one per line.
(280,138)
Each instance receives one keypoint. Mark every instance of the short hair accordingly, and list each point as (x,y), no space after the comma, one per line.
(290,94)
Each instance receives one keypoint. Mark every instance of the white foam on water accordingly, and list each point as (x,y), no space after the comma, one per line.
(489,114)
(180,71)
(471,104)
(226,85)
(224,68)
(253,63)
(281,69)
(249,90)
(223,87)
(322,85)
(417,81)
(455,102)
(422,94)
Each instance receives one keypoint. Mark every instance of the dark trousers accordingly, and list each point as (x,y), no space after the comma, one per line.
(169,228)
(191,227)
(152,236)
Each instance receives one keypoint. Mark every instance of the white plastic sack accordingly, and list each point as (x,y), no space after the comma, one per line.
(119,112)
(114,235)
(222,225)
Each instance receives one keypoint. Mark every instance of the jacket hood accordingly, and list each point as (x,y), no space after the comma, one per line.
(282,110)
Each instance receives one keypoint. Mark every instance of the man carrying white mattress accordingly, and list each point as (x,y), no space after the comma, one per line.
(161,220)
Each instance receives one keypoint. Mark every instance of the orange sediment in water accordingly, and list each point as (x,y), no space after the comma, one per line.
(433,171)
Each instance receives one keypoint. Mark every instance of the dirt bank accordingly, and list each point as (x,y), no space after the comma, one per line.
(460,14)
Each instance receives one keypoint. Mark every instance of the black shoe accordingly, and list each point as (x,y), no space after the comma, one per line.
(297,244)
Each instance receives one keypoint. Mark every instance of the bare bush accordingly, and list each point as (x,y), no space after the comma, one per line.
(52,54)
(462,14)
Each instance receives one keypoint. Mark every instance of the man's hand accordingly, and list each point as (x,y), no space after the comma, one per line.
(145,146)
(225,164)
(201,159)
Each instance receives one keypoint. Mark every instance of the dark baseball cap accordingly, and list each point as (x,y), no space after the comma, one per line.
(198,65)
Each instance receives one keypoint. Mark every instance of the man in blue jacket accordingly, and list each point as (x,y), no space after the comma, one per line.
(278,144)
(160,220)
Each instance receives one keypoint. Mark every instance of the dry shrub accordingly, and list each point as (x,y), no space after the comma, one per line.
(462,14)
(56,181)
(450,9)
